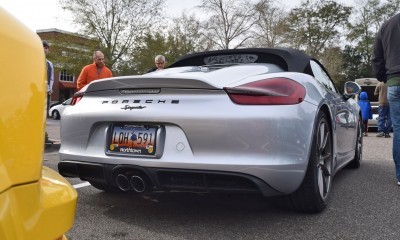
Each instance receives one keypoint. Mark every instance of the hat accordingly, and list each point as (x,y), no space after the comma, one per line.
(45,43)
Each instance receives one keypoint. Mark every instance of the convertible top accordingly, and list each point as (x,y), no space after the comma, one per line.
(289,59)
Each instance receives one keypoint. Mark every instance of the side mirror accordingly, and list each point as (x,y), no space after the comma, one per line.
(351,89)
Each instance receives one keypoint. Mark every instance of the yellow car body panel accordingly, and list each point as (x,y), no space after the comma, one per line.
(35,201)
(44,209)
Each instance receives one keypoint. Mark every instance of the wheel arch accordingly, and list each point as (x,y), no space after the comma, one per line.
(55,111)
(326,110)
(308,198)
(328,113)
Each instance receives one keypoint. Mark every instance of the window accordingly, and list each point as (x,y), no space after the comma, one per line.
(66,77)
(322,77)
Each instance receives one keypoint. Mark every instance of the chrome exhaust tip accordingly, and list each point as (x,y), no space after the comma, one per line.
(122,182)
(137,184)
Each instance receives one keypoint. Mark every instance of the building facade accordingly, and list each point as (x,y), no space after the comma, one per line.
(69,53)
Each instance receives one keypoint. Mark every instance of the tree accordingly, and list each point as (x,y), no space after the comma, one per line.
(269,27)
(171,45)
(369,16)
(116,23)
(391,7)
(190,34)
(71,52)
(315,25)
(353,64)
(332,58)
(142,56)
(229,22)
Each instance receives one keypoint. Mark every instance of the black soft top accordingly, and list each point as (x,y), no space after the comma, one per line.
(289,59)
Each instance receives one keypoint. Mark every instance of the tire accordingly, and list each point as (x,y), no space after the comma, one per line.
(55,114)
(356,162)
(313,194)
(105,187)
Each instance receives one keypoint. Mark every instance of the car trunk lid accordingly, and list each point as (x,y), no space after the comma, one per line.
(184,78)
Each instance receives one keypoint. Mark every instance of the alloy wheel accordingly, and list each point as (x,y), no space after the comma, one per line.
(324,155)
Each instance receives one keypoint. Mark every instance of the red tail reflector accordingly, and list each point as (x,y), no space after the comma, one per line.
(273,91)
(76,98)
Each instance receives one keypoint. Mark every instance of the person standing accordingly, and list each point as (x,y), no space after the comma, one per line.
(386,66)
(366,111)
(160,62)
(95,71)
(50,75)
(384,122)
(50,81)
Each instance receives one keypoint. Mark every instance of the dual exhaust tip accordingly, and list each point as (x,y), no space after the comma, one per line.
(127,183)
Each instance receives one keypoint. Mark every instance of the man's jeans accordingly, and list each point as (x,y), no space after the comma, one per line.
(394,102)
(384,121)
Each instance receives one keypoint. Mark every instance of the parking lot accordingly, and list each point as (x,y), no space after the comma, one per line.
(364,205)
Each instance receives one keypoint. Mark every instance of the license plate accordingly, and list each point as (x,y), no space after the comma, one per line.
(133,139)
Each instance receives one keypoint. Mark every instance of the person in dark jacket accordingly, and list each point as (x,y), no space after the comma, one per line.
(386,66)
(366,111)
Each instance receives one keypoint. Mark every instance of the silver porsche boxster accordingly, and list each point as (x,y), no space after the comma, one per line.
(260,120)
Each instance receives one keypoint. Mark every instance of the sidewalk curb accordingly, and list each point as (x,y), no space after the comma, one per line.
(53,131)
(52,147)
(55,147)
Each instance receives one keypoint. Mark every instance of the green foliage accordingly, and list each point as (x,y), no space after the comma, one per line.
(315,25)
(369,16)
(116,23)
(169,45)
(332,59)
(142,57)
(71,52)
(354,65)
(131,33)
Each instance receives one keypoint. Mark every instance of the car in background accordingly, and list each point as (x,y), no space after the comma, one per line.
(266,121)
(56,110)
(35,201)
(368,85)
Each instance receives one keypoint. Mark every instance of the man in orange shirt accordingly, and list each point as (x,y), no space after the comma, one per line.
(95,71)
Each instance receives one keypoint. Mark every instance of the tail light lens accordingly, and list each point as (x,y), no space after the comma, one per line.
(274,91)
(76,98)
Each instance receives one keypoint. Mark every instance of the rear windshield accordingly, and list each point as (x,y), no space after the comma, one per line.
(370,91)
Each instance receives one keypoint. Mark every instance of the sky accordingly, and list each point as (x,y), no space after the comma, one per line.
(46,14)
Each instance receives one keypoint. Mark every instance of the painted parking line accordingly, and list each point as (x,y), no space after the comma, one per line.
(81,185)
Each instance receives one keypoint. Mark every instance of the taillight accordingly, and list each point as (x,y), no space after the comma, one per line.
(76,98)
(274,91)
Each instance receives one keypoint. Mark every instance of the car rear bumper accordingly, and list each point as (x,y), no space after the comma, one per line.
(166,179)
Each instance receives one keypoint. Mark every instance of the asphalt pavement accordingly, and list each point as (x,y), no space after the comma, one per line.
(364,205)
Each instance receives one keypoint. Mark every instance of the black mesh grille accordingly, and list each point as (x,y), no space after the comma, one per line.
(205,181)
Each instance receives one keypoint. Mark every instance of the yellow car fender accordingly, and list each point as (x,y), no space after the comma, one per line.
(35,201)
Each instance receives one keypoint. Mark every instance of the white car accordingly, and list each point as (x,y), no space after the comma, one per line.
(268,121)
(368,85)
(56,111)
